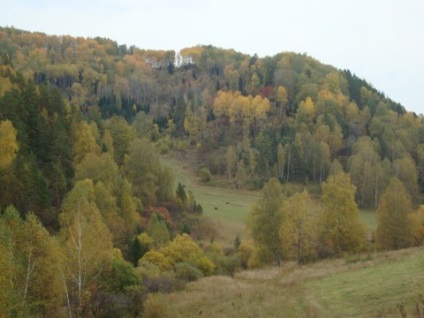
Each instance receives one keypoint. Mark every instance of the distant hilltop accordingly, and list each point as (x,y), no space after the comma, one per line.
(179,61)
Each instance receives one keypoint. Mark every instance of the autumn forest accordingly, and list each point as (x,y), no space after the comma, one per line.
(92,219)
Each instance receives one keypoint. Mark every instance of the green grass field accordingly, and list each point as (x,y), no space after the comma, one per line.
(373,289)
(368,287)
(228,208)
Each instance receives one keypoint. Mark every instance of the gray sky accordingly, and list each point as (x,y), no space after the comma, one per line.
(380,41)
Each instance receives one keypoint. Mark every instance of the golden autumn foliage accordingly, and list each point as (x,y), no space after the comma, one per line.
(181,250)
(8,144)
(299,231)
(264,222)
(72,111)
(84,141)
(237,107)
(194,52)
(30,262)
(5,83)
(157,258)
(342,228)
(416,219)
(394,227)
(85,241)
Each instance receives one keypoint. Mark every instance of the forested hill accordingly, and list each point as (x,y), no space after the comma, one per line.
(91,221)
(248,118)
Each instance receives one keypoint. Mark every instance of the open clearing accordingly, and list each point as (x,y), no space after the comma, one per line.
(371,286)
(228,208)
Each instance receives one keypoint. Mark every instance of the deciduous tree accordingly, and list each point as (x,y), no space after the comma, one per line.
(84,141)
(265,219)
(343,230)
(150,180)
(366,171)
(394,231)
(231,161)
(416,219)
(299,230)
(31,266)
(158,231)
(86,245)
(8,144)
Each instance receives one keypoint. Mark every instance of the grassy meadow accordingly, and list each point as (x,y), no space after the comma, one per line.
(227,208)
(371,286)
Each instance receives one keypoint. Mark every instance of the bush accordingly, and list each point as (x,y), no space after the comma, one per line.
(204,264)
(225,265)
(164,145)
(163,284)
(118,276)
(180,146)
(156,307)
(205,174)
(128,304)
(147,269)
(156,258)
(245,252)
(187,272)
(260,257)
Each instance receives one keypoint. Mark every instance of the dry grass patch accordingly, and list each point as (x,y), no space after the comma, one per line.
(360,286)
(227,297)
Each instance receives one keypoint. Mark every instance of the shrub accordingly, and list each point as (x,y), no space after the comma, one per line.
(129,304)
(187,272)
(156,258)
(147,269)
(163,145)
(245,252)
(203,263)
(118,276)
(225,265)
(163,284)
(205,174)
(155,307)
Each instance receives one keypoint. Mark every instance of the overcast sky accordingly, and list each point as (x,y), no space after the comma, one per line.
(380,41)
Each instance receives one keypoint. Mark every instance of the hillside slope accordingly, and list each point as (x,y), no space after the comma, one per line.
(377,285)
(287,116)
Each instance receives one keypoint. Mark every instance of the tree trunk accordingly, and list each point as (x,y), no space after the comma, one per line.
(30,268)
(68,302)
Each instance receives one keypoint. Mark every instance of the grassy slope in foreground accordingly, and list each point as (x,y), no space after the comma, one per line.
(372,287)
